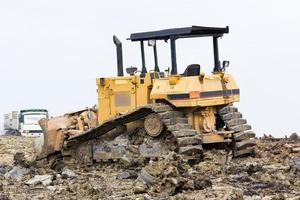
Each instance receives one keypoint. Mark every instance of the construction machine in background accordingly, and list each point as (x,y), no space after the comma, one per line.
(24,122)
(150,113)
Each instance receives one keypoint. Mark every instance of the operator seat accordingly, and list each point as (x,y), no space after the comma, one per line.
(192,70)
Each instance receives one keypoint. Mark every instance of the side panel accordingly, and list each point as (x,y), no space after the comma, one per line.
(115,95)
(122,95)
(103,90)
(208,90)
(119,95)
(143,89)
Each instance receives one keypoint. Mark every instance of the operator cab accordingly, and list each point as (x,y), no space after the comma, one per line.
(172,35)
(192,70)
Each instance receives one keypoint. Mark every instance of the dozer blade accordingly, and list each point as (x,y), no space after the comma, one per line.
(57,129)
(53,135)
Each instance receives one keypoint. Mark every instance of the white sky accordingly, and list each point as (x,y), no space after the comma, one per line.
(52,51)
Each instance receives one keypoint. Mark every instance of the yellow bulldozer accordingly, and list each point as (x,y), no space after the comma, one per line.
(149,113)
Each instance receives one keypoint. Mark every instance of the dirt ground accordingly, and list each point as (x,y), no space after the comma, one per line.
(274,173)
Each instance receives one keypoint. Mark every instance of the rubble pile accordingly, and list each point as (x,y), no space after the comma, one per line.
(274,173)
(10,145)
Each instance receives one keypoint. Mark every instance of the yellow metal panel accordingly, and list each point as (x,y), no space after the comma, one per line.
(104,109)
(121,94)
(150,88)
(143,89)
(212,85)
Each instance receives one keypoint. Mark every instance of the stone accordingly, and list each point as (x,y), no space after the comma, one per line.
(4,169)
(51,188)
(252,167)
(139,188)
(275,167)
(16,173)
(4,197)
(128,174)
(296,150)
(19,159)
(202,184)
(296,164)
(39,197)
(147,177)
(126,161)
(67,173)
(43,179)
(236,195)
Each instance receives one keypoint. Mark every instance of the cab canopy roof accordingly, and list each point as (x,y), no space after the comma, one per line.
(193,31)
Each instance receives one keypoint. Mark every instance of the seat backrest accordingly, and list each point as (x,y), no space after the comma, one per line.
(192,70)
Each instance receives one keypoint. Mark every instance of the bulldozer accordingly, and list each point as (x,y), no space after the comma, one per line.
(152,112)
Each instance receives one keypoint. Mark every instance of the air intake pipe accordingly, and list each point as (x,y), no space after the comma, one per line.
(118,44)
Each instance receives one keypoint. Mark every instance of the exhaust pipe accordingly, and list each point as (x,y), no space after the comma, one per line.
(173,56)
(118,44)
(217,67)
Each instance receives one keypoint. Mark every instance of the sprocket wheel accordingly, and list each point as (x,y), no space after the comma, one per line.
(153,125)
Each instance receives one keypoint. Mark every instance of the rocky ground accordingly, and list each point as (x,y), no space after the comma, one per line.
(274,173)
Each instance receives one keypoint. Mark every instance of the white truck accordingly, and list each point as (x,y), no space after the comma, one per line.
(24,122)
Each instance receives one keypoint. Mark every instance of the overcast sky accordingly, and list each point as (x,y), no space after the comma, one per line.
(52,51)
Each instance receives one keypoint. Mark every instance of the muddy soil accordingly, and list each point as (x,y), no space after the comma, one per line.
(274,173)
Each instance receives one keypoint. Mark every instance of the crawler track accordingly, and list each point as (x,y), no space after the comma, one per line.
(188,139)
(243,137)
